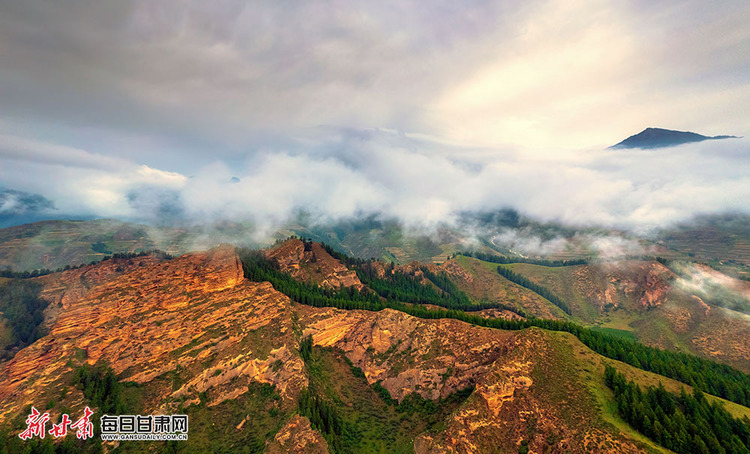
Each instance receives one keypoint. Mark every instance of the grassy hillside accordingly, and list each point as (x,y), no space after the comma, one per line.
(371,421)
(610,298)
(561,280)
(55,244)
(712,377)
(590,367)
(486,284)
(723,238)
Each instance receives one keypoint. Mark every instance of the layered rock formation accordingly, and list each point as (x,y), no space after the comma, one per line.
(631,284)
(195,314)
(310,262)
(298,437)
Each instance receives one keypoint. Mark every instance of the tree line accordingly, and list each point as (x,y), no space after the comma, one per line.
(9,273)
(685,423)
(323,415)
(406,287)
(534,287)
(100,386)
(23,310)
(378,293)
(505,260)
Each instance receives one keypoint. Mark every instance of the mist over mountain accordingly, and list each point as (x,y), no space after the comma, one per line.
(19,207)
(339,174)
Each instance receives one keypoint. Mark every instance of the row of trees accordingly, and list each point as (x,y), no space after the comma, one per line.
(398,286)
(408,288)
(258,268)
(9,273)
(100,386)
(322,415)
(504,260)
(684,424)
(380,292)
(448,287)
(23,311)
(534,287)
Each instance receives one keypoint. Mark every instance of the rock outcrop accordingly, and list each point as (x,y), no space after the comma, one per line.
(634,285)
(195,315)
(435,358)
(310,262)
(298,437)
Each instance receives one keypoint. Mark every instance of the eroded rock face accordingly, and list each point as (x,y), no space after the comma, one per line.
(452,268)
(509,407)
(313,264)
(195,314)
(499,313)
(64,288)
(636,285)
(434,358)
(655,286)
(298,437)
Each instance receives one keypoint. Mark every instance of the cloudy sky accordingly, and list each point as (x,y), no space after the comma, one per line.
(144,109)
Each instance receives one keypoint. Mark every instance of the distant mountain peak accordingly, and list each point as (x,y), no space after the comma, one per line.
(659,138)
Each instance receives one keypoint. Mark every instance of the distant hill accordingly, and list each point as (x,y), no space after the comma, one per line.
(660,138)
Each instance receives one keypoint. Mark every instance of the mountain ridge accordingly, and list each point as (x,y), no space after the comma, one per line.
(662,138)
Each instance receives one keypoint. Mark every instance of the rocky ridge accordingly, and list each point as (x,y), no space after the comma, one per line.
(310,262)
(196,314)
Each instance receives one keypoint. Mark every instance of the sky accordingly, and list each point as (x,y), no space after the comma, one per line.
(418,110)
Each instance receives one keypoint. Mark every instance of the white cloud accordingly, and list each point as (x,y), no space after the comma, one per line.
(35,151)
(424,183)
